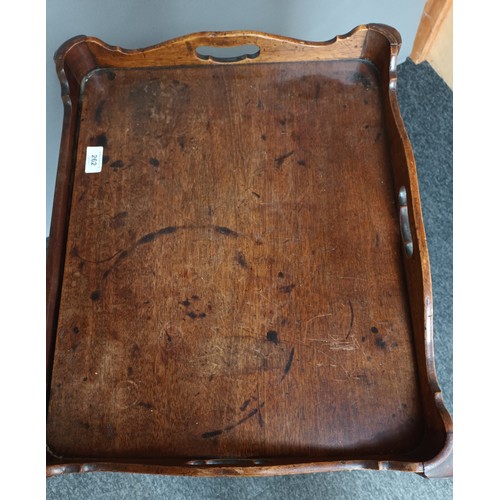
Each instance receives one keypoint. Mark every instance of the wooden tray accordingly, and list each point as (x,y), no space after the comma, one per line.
(244,288)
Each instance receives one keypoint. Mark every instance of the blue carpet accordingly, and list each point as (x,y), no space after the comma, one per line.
(426,105)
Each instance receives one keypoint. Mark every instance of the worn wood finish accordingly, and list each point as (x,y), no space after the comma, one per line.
(230,295)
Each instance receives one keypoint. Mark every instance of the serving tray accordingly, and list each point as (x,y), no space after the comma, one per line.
(238,280)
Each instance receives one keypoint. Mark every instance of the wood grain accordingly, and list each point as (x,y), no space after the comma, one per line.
(233,297)
(434,14)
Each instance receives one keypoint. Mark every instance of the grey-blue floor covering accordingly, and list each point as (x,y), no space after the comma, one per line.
(427,106)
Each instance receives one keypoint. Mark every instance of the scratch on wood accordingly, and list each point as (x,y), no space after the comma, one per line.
(316,317)
(350,278)
(352,320)
(75,253)
(337,343)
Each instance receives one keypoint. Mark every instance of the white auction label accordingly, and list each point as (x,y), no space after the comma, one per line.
(93,162)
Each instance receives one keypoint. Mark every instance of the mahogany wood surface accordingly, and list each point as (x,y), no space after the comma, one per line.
(230,294)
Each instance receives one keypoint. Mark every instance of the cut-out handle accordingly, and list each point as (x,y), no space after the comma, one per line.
(228,54)
(404,222)
(228,461)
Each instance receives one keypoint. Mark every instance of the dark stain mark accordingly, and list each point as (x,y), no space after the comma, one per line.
(130,371)
(81,265)
(85,379)
(226,231)
(352,320)
(122,255)
(111,75)
(380,343)
(85,425)
(302,163)
(98,112)
(244,419)
(288,363)
(95,295)
(259,242)
(245,404)
(99,140)
(195,297)
(393,415)
(211,377)
(378,136)
(263,137)
(167,230)
(186,303)
(181,141)
(211,434)
(394,344)
(363,338)
(117,164)
(154,162)
(282,121)
(260,105)
(257,195)
(261,420)
(147,238)
(374,329)
(359,78)
(272,336)
(317,91)
(240,259)
(136,350)
(405,405)
(281,159)
(366,127)
(228,428)
(143,240)
(193,315)
(281,275)
(284,322)
(286,288)
(368,358)
(142,404)
(76,330)
(344,106)
(365,101)
(208,125)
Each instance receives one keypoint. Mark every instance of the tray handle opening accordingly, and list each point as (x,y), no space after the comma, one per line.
(404,222)
(230,54)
